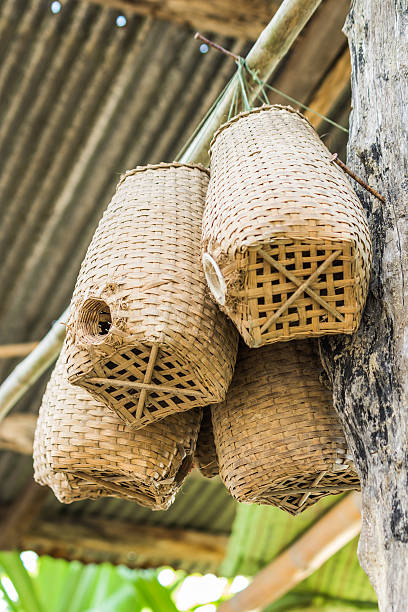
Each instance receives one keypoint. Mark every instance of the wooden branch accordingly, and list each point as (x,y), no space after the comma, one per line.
(100,540)
(354,176)
(272,45)
(331,89)
(228,18)
(17,433)
(9,351)
(328,535)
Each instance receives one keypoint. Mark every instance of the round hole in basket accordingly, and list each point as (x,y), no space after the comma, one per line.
(94,320)
(214,278)
(278,439)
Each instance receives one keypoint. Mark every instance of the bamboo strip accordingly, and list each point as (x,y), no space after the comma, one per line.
(110,486)
(296,491)
(300,290)
(147,379)
(147,386)
(298,283)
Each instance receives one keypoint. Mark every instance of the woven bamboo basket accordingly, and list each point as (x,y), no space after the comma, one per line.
(145,337)
(83,450)
(205,458)
(278,439)
(287,251)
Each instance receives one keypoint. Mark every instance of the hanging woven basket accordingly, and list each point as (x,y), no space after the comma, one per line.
(278,439)
(205,458)
(82,450)
(287,251)
(145,337)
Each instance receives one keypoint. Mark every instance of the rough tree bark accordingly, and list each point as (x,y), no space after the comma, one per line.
(369,371)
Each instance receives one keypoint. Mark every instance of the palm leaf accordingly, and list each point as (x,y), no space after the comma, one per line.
(13,567)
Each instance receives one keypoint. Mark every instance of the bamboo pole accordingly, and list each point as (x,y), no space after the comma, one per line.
(271,46)
(30,369)
(337,527)
(17,433)
(9,351)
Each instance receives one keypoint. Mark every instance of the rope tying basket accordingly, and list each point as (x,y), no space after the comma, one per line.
(145,337)
(82,450)
(278,439)
(287,251)
(205,458)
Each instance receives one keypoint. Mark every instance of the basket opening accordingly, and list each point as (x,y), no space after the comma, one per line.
(214,278)
(184,469)
(94,320)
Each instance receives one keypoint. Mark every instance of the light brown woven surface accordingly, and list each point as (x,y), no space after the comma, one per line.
(205,457)
(83,450)
(277,209)
(278,439)
(145,337)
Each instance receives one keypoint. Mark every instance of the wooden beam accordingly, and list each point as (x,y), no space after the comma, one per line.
(17,519)
(102,540)
(331,89)
(17,433)
(9,351)
(328,535)
(226,17)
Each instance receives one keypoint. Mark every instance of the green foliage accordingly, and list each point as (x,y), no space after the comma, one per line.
(59,586)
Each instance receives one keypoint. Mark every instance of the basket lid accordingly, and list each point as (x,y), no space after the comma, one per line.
(258,109)
(161,166)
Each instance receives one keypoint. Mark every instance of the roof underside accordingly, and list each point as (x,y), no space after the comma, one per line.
(82,100)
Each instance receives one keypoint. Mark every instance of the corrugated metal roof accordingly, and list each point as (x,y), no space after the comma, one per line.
(81,100)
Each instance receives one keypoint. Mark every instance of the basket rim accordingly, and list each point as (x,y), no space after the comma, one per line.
(258,109)
(161,165)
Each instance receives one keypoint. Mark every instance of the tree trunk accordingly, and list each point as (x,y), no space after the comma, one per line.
(369,371)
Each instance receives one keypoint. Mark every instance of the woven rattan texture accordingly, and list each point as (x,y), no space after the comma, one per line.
(143,323)
(205,458)
(83,450)
(278,439)
(277,210)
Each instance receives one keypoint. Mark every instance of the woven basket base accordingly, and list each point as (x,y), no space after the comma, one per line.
(145,383)
(293,289)
(78,485)
(69,488)
(294,495)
